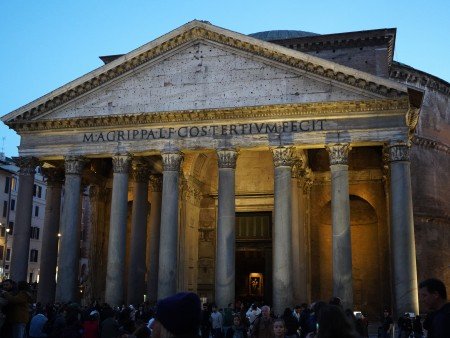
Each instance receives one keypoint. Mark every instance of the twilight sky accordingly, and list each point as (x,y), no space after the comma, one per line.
(45,44)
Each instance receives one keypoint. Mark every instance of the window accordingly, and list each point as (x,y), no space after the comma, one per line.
(35,232)
(7,180)
(34,190)
(30,279)
(5,207)
(8,254)
(13,204)
(2,231)
(11,228)
(33,255)
(13,184)
(2,248)
(39,191)
(36,211)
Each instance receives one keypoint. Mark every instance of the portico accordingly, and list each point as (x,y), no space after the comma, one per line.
(231,125)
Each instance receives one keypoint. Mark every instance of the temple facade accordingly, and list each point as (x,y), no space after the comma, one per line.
(284,168)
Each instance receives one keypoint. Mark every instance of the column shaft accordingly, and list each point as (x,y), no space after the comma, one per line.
(340,210)
(296,244)
(226,234)
(402,232)
(137,266)
(22,226)
(115,270)
(168,250)
(49,251)
(282,231)
(69,248)
(154,235)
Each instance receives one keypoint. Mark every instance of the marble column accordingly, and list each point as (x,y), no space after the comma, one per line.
(282,230)
(168,249)
(137,266)
(403,249)
(115,267)
(340,213)
(49,251)
(22,226)
(226,232)
(69,242)
(153,238)
(305,184)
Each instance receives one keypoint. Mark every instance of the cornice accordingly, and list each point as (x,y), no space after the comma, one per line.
(417,77)
(432,144)
(316,109)
(198,32)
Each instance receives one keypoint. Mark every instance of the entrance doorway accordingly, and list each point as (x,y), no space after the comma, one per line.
(254,257)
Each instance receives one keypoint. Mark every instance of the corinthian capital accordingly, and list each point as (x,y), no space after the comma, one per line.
(141,170)
(172,160)
(74,164)
(26,164)
(156,183)
(121,163)
(338,152)
(399,152)
(283,156)
(227,158)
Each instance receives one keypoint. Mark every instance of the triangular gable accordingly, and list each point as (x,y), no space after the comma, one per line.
(197,31)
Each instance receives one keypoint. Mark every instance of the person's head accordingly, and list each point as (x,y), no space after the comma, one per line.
(214,308)
(205,307)
(236,321)
(336,301)
(142,332)
(178,315)
(265,311)
(287,312)
(279,328)
(298,309)
(333,323)
(8,284)
(386,313)
(432,294)
(254,307)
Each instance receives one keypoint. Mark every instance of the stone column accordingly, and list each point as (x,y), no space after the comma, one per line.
(297,246)
(226,232)
(154,234)
(340,211)
(69,245)
(22,226)
(282,231)
(402,231)
(168,250)
(115,267)
(137,266)
(49,251)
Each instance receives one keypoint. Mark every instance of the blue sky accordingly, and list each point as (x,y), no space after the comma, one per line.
(45,44)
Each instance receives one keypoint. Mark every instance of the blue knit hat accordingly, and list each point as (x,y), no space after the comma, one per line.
(179,314)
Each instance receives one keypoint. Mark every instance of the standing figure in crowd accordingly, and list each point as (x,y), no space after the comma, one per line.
(237,330)
(290,323)
(227,318)
(205,323)
(387,327)
(433,296)
(263,324)
(17,309)
(332,322)
(216,322)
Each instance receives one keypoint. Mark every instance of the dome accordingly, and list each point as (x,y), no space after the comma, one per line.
(281,35)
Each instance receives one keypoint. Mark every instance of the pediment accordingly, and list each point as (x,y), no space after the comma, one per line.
(200,66)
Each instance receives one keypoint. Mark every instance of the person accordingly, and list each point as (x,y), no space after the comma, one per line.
(205,323)
(433,296)
(333,323)
(17,314)
(227,318)
(253,312)
(237,330)
(405,326)
(177,316)
(387,326)
(279,328)
(37,324)
(417,327)
(216,322)
(290,323)
(263,324)
(91,326)
(110,325)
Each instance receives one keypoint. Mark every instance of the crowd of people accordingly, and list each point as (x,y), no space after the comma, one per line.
(182,315)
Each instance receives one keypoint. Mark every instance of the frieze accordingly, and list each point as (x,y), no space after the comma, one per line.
(26,164)
(227,158)
(399,152)
(74,165)
(338,153)
(121,163)
(283,156)
(285,111)
(193,34)
(428,143)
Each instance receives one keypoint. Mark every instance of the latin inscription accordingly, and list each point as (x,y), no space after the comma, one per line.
(205,131)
